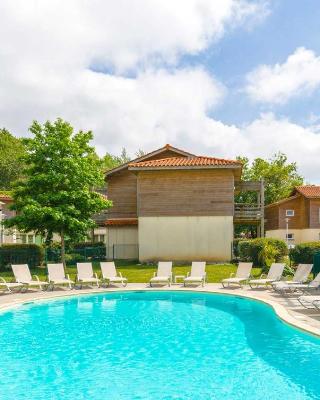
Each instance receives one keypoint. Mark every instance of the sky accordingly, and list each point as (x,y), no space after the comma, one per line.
(214,77)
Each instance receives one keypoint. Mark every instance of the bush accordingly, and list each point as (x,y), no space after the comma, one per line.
(83,251)
(304,252)
(74,258)
(30,254)
(235,245)
(262,251)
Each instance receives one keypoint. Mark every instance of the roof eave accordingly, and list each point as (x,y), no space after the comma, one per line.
(185,167)
(283,200)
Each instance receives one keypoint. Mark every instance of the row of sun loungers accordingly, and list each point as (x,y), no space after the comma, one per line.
(57,276)
(197,275)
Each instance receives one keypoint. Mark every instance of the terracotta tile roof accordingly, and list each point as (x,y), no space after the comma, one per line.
(185,162)
(5,197)
(121,221)
(309,190)
(151,154)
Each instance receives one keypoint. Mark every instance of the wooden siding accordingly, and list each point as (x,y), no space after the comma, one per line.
(272,217)
(186,193)
(276,214)
(164,154)
(314,217)
(122,190)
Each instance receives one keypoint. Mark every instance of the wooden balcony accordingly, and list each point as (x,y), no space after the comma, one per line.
(248,213)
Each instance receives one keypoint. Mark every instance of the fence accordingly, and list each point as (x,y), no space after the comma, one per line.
(95,253)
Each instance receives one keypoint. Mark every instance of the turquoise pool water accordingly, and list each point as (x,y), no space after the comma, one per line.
(155,345)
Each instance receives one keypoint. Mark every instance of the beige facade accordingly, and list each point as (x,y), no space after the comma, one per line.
(122,242)
(186,238)
(299,235)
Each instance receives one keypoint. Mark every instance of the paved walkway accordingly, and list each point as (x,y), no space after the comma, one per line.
(287,308)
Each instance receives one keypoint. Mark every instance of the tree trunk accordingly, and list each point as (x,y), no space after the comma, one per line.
(63,252)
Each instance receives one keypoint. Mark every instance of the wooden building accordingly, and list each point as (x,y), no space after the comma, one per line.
(173,205)
(295,219)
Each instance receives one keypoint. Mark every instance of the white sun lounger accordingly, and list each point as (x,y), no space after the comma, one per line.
(163,274)
(274,275)
(8,286)
(306,287)
(301,276)
(242,275)
(110,274)
(197,274)
(310,301)
(22,275)
(85,274)
(57,276)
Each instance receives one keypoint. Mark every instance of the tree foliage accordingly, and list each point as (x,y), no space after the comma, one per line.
(279,176)
(11,151)
(56,195)
(110,161)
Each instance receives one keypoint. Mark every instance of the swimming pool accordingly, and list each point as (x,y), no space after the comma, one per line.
(155,345)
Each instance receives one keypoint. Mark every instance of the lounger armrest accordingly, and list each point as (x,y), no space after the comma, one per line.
(68,277)
(2,280)
(188,274)
(154,274)
(263,275)
(120,274)
(37,278)
(95,275)
(232,275)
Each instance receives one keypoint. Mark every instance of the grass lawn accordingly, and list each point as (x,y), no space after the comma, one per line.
(141,273)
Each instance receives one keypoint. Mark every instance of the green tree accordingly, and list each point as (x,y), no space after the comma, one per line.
(140,153)
(56,194)
(11,151)
(279,176)
(110,161)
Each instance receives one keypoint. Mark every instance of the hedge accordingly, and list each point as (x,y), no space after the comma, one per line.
(252,249)
(304,252)
(30,254)
(78,252)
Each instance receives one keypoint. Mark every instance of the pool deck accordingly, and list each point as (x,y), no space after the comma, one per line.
(287,308)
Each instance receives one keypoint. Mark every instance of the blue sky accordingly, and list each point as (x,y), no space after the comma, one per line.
(218,78)
(290,24)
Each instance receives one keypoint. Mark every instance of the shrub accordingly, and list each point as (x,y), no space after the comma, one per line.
(30,254)
(74,258)
(262,251)
(304,252)
(235,245)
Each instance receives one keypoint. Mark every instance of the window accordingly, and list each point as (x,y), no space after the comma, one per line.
(27,239)
(99,238)
(290,236)
(289,213)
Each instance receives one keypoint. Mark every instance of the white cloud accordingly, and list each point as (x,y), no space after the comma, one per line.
(120,34)
(298,75)
(48,46)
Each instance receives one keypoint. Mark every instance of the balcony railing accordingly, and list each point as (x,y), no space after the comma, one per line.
(248,211)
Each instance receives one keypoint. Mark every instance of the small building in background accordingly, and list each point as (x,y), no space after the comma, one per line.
(295,219)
